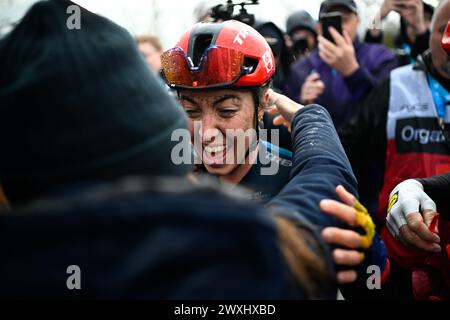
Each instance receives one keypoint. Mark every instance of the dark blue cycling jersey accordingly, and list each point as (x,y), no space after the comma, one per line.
(263,186)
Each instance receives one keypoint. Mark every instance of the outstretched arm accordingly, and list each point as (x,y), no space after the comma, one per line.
(319,163)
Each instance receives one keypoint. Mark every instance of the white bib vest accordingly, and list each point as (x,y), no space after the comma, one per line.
(410,97)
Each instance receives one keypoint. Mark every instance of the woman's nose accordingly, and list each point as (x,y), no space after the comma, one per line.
(210,129)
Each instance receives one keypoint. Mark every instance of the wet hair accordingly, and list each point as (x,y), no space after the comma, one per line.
(305,258)
(258,93)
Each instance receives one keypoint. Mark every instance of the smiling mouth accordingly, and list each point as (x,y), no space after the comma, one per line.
(214,149)
(214,155)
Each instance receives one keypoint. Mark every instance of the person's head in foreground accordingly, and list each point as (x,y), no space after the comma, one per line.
(79,105)
(440,58)
(222,72)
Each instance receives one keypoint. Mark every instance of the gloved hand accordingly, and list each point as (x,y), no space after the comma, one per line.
(410,213)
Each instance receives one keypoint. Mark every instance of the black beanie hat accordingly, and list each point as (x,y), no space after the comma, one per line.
(78,105)
(300,20)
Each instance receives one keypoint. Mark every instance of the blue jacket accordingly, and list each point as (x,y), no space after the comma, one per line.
(343,94)
(264,187)
(167,239)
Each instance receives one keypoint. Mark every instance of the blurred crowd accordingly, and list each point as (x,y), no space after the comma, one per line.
(362,147)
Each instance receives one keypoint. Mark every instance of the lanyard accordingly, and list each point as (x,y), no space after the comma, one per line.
(407,48)
(441,96)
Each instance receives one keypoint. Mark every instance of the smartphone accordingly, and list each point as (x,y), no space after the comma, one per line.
(332,19)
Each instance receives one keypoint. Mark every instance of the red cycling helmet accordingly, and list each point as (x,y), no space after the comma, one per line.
(446,39)
(218,55)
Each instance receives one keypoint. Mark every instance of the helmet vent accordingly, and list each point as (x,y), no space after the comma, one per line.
(201,43)
(250,65)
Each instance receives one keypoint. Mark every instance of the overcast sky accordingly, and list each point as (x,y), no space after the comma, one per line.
(169,18)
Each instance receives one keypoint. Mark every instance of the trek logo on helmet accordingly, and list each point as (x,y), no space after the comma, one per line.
(267,58)
(240,37)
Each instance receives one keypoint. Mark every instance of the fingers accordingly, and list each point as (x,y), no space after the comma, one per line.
(285,106)
(412,3)
(341,211)
(338,38)
(312,77)
(326,44)
(392,227)
(273,97)
(311,90)
(327,47)
(344,238)
(347,38)
(428,204)
(411,239)
(345,196)
(428,216)
(272,110)
(282,102)
(395,220)
(398,5)
(344,277)
(416,224)
(347,257)
(326,56)
(318,85)
(411,205)
(280,121)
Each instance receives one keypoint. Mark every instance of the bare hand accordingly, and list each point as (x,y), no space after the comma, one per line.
(349,239)
(284,107)
(312,88)
(412,11)
(386,8)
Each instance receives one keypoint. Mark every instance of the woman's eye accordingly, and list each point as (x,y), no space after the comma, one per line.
(227,112)
(192,113)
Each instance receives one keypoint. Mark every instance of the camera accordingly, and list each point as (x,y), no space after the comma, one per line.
(300,45)
(223,12)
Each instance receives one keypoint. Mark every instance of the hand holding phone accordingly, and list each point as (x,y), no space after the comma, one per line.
(332,19)
(412,12)
(339,54)
(399,5)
